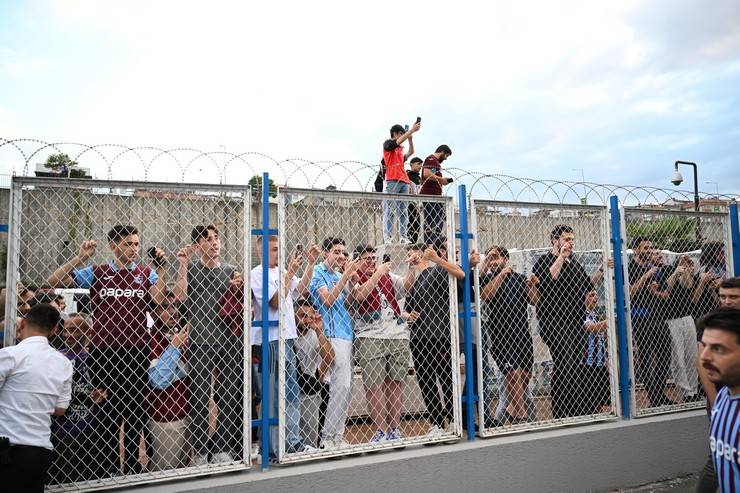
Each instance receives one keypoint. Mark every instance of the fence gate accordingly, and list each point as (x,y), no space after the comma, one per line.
(673,266)
(157,343)
(369,350)
(545,330)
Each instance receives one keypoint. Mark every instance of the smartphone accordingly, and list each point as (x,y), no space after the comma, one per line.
(451,180)
(418,119)
(386,258)
(153,255)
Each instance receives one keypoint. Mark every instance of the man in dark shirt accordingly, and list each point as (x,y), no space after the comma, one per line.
(648,311)
(563,285)
(431,184)
(414,213)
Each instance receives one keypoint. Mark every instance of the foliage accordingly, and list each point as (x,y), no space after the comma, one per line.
(256,183)
(677,234)
(61,163)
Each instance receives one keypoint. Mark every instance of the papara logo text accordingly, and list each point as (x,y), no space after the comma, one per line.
(121,293)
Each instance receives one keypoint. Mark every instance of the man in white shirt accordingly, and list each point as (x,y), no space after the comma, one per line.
(292,288)
(35,382)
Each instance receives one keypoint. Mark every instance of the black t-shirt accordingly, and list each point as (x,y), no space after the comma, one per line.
(430,296)
(645,306)
(414,176)
(506,311)
(679,299)
(562,306)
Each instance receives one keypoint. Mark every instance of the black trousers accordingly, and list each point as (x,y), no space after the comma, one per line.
(654,349)
(123,373)
(434,222)
(414,223)
(26,470)
(433,365)
(74,458)
(568,389)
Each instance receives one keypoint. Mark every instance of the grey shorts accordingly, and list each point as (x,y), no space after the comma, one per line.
(381,359)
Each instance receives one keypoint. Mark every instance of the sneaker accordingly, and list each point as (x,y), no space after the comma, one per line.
(328,444)
(435,431)
(200,460)
(221,458)
(405,241)
(378,437)
(395,434)
(387,241)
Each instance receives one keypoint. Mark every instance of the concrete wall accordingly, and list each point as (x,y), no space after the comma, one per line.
(590,458)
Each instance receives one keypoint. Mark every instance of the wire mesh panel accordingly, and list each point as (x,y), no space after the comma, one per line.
(546,324)
(369,356)
(153,302)
(675,262)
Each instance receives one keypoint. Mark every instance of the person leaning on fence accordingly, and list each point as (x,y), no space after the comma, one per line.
(382,338)
(563,285)
(432,182)
(292,288)
(712,271)
(314,356)
(73,435)
(201,284)
(328,290)
(119,341)
(720,359)
(505,296)
(430,343)
(169,399)
(595,361)
(647,284)
(414,174)
(35,383)
(396,180)
(23,303)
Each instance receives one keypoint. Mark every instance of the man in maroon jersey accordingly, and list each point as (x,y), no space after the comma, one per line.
(432,182)
(120,291)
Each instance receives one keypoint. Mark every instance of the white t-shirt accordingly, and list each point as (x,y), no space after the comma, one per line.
(255,283)
(307,352)
(383,324)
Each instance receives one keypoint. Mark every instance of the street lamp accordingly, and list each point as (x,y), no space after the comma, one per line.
(716,187)
(677,179)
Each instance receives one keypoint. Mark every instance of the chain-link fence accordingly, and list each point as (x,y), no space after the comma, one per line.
(153,323)
(675,262)
(545,330)
(368,339)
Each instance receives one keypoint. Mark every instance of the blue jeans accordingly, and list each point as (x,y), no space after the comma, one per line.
(397,208)
(293,440)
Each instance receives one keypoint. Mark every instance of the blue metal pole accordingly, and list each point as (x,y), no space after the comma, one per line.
(621,311)
(735,237)
(265,359)
(469,398)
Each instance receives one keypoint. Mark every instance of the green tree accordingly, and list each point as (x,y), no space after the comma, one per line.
(61,163)
(677,234)
(256,183)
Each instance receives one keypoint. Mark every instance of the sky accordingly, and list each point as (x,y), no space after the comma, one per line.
(611,91)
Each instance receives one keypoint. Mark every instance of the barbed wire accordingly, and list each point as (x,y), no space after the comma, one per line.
(186,164)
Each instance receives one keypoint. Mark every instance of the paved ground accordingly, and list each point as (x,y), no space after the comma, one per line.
(683,484)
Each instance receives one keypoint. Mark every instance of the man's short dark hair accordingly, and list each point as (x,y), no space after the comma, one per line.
(416,159)
(363,248)
(731,283)
(396,129)
(724,318)
(440,243)
(201,231)
(416,247)
(709,251)
(330,242)
(558,231)
(119,232)
(303,302)
(43,316)
(500,250)
(444,148)
(637,240)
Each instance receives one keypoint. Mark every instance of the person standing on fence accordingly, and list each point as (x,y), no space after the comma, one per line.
(432,182)
(35,383)
(382,343)
(505,296)
(119,354)
(293,288)
(414,174)
(74,434)
(647,283)
(314,357)
(431,345)
(328,289)
(396,180)
(213,345)
(720,358)
(169,399)
(563,285)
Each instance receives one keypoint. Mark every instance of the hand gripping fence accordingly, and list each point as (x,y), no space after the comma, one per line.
(149,277)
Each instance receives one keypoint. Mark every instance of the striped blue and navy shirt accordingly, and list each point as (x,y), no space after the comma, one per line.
(724,440)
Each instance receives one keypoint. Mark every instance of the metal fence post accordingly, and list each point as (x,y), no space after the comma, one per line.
(464,235)
(735,238)
(619,304)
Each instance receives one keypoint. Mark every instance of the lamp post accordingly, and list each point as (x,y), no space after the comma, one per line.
(677,179)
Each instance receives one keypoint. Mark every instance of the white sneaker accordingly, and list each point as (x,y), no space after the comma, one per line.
(200,460)
(405,241)
(222,458)
(328,444)
(435,431)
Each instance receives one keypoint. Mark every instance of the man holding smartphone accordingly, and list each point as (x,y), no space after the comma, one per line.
(396,179)
(431,184)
